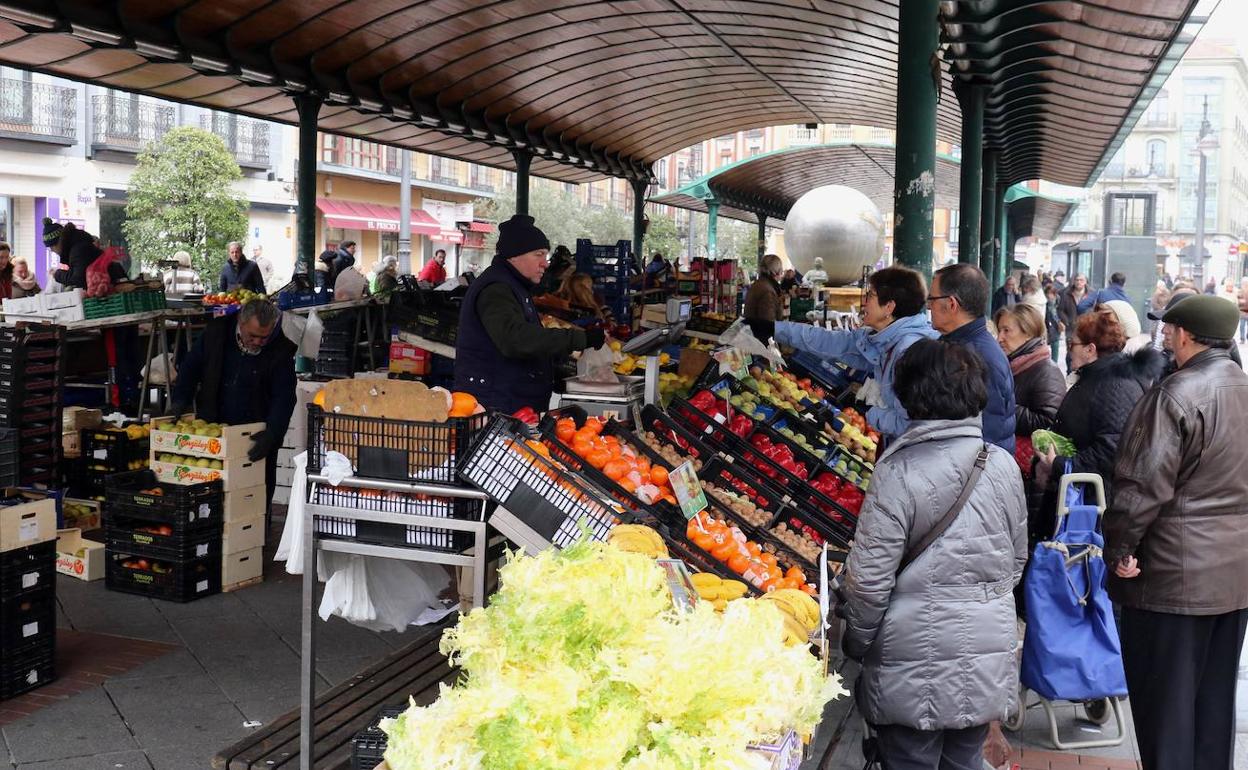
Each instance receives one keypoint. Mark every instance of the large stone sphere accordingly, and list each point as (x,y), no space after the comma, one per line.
(839,224)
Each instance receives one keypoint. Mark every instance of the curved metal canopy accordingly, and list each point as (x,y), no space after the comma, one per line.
(772,182)
(606,87)
(1036,214)
(1066,81)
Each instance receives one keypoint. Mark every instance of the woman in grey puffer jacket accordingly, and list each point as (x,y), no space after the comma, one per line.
(938,641)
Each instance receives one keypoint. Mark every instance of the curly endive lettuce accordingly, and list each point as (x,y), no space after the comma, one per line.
(580,662)
(1042,440)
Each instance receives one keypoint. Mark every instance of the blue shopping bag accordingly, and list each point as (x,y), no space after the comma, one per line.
(1071,650)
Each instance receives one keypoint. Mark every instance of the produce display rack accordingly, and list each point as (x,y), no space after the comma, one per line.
(27,618)
(32,379)
(609,267)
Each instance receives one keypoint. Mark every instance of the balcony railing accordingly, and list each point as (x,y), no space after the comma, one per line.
(449,181)
(801,135)
(38,110)
(247,139)
(125,124)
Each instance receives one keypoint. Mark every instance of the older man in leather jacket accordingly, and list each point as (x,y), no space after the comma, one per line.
(1177,535)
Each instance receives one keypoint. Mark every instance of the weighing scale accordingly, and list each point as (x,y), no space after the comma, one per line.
(623,398)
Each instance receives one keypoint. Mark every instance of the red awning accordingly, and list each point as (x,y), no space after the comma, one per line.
(355,215)
(480,227)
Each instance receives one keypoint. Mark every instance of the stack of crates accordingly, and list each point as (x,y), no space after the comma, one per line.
(162,541)
(27,593)
(608,266)
(104,451)
(32,377)
(336,357)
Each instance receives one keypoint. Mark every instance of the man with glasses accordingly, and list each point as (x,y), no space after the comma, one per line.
(957,302)
(241,370)
(503,355)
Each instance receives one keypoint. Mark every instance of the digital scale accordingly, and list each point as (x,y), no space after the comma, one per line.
(623,398)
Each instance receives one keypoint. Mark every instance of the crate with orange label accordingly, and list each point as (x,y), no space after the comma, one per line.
(199,438)
(235,472)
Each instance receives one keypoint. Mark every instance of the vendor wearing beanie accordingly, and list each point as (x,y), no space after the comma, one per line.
(76,249)
(503,355)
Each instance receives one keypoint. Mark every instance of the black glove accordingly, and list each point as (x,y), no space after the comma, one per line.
(178,409)
(261,444)
(594,338)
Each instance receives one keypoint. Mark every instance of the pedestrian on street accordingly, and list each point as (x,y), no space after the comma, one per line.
(957,302)
(1039,386)
(934,627)
(433,274)
(1007,295)
(763,306)
(1115,290)
(238,272)
(1176,534)
(1052,322)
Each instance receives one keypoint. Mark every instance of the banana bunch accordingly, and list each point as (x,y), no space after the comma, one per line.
(637,538)
(716,590)
(801,614)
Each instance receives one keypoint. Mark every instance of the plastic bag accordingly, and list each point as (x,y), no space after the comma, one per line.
(156,373)
(350,284)
(739,336)
(597,365)
(99,280)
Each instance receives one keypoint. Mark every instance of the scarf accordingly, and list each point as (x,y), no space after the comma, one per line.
(28,283)
(1028,355)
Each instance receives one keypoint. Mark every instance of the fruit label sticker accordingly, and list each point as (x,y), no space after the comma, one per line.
(684,595)
(688,490)
(28,530)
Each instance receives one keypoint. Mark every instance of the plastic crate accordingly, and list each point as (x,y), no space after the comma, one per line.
(49,413)
(553,502)
(295,298)
(173,541)
(177,504)
(672,433)
(384,533)
(27,569)
(112,451)
(27,618)
(400,450)
(27,668)
(337,365)
(602,260)
(186,580)
(41,468)
(368,747)
(123,303)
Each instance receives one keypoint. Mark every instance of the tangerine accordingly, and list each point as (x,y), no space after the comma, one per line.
(768,558)
(739,563)
(565,431)
(658,475)
(582,447)
(796,573)
(597,458)
(628,485)
(808,589)
(594,425)
(615,469)
(703,540)
(724,551)
(462,404)
(770,585)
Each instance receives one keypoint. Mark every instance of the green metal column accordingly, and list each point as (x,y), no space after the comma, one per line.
(914,177)
(988,211)
(639,218)
(970,187)
(523,160)
(309,107)
(1005,253)
(712,229)
(762,236)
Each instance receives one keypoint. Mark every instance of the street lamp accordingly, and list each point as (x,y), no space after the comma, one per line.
(1206,143)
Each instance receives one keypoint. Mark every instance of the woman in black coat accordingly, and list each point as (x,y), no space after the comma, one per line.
(1039,386)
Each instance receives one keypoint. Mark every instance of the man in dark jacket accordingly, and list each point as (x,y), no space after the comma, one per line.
(1176,534)
(332,262)
(1007,295)
(242,371)
(1113,291)
(957,302)
(503,354)
(76,249)
(238,272)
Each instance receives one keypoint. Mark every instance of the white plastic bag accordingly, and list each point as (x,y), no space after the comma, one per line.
(155,371)
(350,284)
(739,336)
(597,365)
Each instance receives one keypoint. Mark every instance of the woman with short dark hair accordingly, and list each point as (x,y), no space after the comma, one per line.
(930,696)
(893,320)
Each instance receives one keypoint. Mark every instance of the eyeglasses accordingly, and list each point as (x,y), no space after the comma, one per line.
(935,297)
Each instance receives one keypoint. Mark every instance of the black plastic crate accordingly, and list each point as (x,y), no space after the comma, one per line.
(384,533)
(32,335)
(339,365)
(536,488)
(18,401)
(112,451)
(41,468)
(27,618)
(174,541)
(672,433)
(24,669)
(131,493)
(27,569)
(368,747)
(400,450)
(173,580)
(10,457)
(48,413)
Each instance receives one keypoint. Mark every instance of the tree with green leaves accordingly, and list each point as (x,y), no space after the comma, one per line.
(181,198)
(664,237)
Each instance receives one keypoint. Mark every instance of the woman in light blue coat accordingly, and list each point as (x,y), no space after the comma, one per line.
(893,320)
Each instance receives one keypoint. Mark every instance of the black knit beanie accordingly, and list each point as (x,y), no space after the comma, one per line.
(519,235)
(51,232)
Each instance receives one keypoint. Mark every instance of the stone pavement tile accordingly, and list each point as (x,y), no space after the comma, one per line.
(188,757)
(124,760)
(176,710)
(336,670)
(85,724)
(177,663)
(209,606)
(266,708)
(259,677)
(229,637)
(336,638)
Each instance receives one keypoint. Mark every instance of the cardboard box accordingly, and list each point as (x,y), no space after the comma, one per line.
(234,441)
(236,473)
(69,315)
(27,523)
(80,514)
(76,418)
(23,306)
(406,358)
(243,534)
(240,566)
(246,503)
(654,314)
(59,300)
(71,444)
(78,557)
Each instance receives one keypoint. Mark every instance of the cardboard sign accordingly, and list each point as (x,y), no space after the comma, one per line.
(688,490)
(684,594)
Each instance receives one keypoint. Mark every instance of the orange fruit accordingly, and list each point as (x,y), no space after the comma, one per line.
(539,447)
(565,431)
(739,563)
(724,551)
(462,404)
(615,469)
(582,447)
(669,499)
(753,548)
(809,589)
(703,540)
(628,485)
(658,475)
(770,585)
(594,425)
(790,583)
(797,574)
(768,558)
(597,458)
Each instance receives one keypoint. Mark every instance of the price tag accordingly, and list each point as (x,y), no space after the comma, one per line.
(30,580)
(30,629)
(684,595)
(100,454)
(28,530)
(733,361)
(688,490)
(785,755)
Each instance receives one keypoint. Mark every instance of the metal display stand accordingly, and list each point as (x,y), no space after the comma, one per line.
(476,558)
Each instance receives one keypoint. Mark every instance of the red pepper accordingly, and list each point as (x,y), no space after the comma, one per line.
(526,414)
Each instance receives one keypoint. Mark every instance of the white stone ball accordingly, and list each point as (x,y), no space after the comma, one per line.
(839,224)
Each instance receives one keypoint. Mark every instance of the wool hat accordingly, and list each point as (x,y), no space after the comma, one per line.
(51,231)
(1205,316)
(519,235)
(1127,317)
